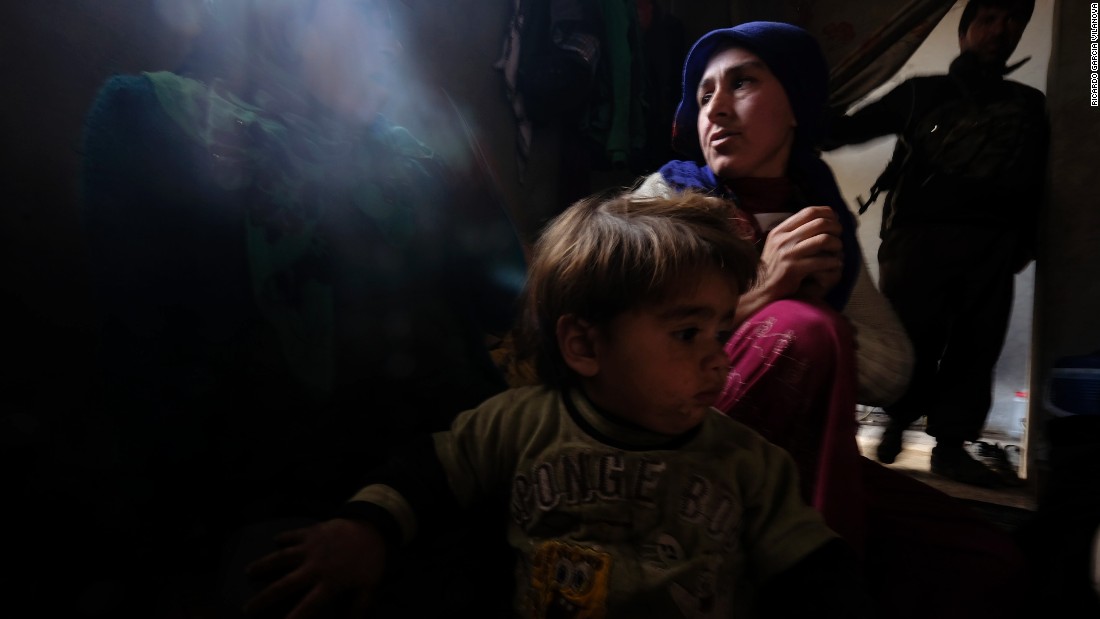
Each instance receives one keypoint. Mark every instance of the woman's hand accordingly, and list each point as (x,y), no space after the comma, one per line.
(802,258)
(331,566)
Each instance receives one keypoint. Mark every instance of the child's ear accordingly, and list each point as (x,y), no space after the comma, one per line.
(576,341)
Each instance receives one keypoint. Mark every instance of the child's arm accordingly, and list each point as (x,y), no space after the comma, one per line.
(802,565)
(336,562)
(339,562)
(335,566)
(828,582)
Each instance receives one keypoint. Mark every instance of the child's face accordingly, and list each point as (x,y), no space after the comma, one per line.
(663,366)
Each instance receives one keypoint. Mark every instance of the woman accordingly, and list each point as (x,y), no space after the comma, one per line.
(793,352)
(750,116)
(290,285)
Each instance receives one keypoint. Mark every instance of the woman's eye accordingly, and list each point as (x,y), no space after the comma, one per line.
(686,335)
(741,82)
(703,100)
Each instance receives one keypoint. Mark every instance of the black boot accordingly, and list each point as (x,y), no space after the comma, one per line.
(889,446)
(995,457)
(953,461)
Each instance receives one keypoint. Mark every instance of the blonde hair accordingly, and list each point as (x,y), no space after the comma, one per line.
(606,255)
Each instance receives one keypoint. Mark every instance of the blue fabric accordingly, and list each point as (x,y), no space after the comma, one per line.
(792,55)
(796,60)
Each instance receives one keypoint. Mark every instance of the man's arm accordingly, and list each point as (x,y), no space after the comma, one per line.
(888,115)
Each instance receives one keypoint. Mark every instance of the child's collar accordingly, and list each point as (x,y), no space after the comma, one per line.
(613,430)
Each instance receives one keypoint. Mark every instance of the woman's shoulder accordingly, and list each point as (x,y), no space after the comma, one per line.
(653,186)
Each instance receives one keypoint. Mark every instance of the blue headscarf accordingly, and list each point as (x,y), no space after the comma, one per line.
(796,60)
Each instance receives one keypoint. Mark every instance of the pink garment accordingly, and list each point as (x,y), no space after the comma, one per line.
(793,380)
(927,554)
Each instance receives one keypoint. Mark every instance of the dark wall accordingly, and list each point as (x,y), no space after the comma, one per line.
(55,445)
(1068,268)
(53,56)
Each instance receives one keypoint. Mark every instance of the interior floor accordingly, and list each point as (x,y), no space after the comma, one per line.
(915,461)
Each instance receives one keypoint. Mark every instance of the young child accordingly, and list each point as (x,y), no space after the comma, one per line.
(627,494)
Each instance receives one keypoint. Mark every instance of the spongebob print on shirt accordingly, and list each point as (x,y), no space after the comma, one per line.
(601,523)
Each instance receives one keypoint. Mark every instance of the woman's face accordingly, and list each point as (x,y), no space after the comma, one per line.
(348,56)
(745,123)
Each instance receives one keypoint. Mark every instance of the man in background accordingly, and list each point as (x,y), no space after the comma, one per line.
(964,190)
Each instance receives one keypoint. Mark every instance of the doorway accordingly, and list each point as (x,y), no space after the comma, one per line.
(857,167)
